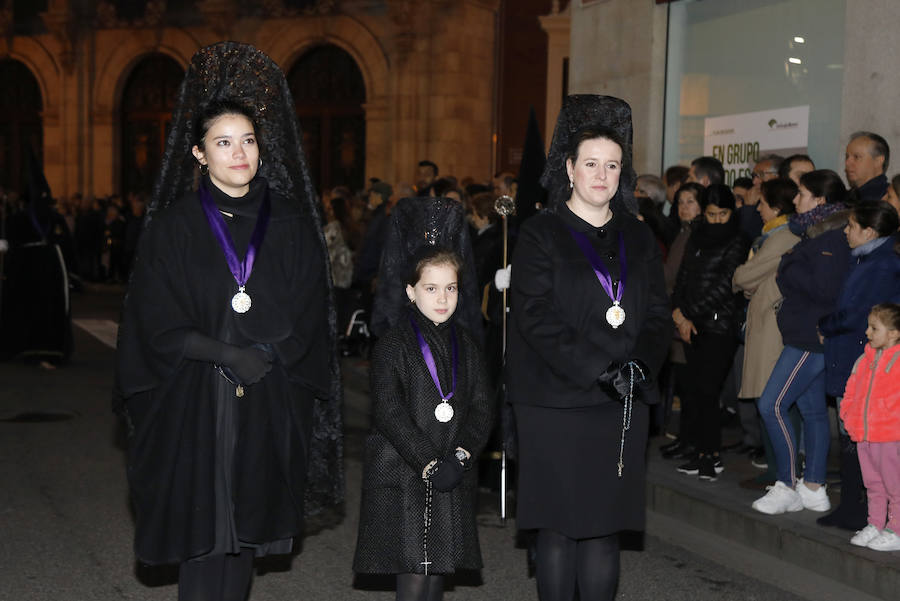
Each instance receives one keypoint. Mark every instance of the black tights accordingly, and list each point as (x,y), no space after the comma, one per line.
(419,587)
(216,577)
(591,563)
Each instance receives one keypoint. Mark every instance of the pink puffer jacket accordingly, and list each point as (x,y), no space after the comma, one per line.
(871,405)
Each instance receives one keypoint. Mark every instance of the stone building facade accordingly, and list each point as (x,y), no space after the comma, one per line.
(425,85)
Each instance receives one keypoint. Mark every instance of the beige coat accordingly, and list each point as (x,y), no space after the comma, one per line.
(756,279)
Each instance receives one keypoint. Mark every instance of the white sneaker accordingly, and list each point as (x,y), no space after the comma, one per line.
(886,541)
(816,500)
(779,499)
(863,537)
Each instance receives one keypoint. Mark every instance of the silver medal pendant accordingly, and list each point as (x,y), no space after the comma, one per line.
(241,302)
(615,315)
(443,412)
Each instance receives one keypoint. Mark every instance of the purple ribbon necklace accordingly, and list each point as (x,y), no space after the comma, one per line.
(241,270)
(444,411)
(615,315)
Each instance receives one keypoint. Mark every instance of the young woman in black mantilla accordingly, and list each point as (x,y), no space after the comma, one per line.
(590,329)
(431,416)
(226,367)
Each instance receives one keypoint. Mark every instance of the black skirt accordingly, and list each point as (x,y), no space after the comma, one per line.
(568,474)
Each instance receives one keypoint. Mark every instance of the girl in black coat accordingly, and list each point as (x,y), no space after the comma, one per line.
(583,353)
(708,316)
(431,415)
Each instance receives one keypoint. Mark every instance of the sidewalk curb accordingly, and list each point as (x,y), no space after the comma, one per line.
(794,539)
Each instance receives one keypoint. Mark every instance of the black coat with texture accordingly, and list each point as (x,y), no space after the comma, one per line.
(405,437)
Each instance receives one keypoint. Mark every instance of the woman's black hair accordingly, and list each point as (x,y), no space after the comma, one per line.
(878,215)
(215,109)
(432,255)
(779,194)
(888,314)
(719,195)
(825,183)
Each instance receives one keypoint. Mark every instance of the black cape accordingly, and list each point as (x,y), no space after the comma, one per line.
(35,312)
(180,283)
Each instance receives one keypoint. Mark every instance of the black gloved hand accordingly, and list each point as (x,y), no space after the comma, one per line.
(249,365)
(616,378)
(447,474)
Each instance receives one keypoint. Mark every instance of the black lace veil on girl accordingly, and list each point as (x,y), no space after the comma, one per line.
(417,223)
(580,112)
(241,73)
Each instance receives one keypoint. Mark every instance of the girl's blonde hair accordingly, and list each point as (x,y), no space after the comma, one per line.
(888,314)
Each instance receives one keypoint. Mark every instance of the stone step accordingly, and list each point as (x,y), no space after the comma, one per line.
(724,509)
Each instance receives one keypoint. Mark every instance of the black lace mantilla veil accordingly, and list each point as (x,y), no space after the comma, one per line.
(241,72)
(581,111)
(415,223)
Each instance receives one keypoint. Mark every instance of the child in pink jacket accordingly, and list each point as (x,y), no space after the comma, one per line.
(871,413)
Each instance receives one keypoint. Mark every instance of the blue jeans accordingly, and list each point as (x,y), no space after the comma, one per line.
(798,377)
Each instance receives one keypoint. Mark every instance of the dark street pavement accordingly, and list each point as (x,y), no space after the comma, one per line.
(66,529)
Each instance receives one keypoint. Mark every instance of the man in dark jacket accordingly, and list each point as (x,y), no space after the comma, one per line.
(366,268)
(865,163)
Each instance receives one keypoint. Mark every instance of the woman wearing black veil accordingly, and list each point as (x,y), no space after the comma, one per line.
(590,329)
(227,374)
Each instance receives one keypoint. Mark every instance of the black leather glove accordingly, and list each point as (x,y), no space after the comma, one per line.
(249,365)
(447,474)
(616,378)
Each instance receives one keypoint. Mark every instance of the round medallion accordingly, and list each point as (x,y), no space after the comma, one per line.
(443,412)
(615,315)
(241,302)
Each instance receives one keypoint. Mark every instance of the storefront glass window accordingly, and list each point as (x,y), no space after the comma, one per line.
(731,57)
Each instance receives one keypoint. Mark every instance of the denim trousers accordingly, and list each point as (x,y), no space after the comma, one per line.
(798,377)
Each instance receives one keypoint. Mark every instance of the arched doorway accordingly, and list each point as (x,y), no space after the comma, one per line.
(147,103)
(329,92)
(21,131)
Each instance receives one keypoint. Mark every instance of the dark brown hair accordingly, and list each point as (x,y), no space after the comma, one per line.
(217,108)
(878,215)
(779,194)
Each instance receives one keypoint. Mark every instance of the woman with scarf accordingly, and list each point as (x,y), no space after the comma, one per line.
(810,278)
(756,279)
(873,278)
(226,367)
(590,319)
(708,315)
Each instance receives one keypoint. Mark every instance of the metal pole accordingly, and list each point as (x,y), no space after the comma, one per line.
(504,206)
(3,200)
